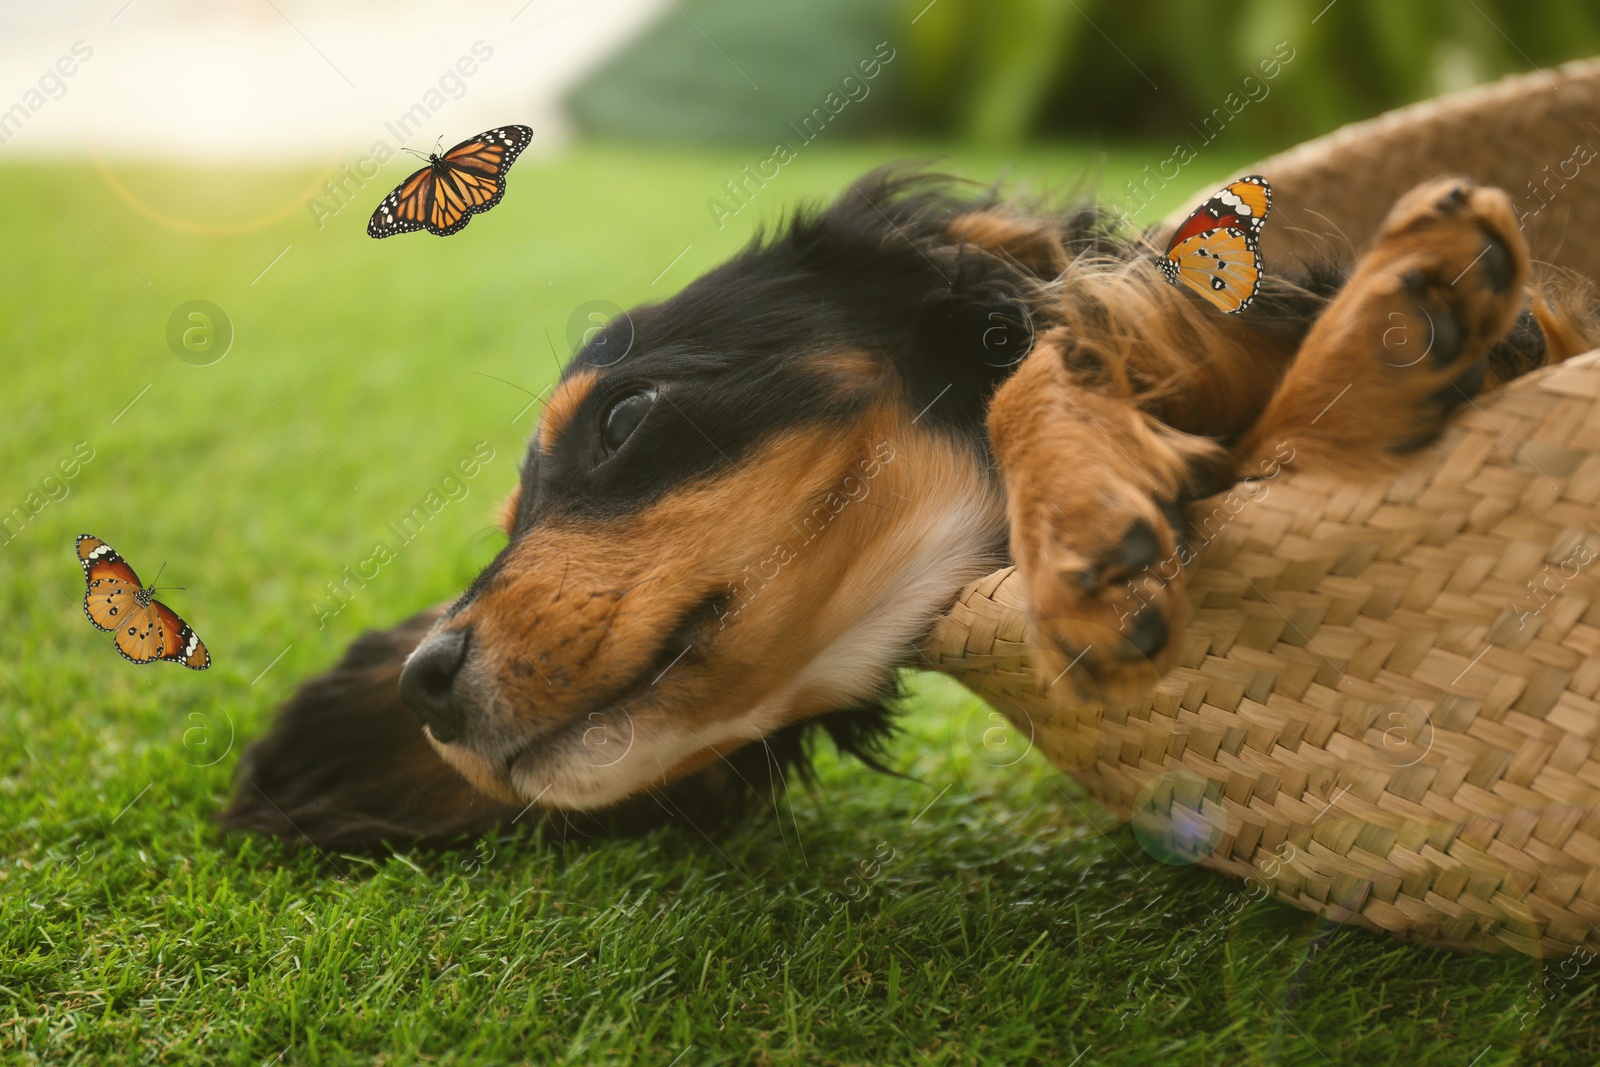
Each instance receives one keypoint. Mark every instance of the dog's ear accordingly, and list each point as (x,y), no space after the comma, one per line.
(1034,244)
(1005,261)
(346,767)
(346,764)
(974,326)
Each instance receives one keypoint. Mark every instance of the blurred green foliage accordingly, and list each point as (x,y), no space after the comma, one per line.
(728,71)
(998,72)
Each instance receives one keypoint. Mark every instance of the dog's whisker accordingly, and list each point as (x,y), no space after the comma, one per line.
(619,593)
(555,360)
(789,797)
(775,763)
(772,796)
(513,385)
(683,817)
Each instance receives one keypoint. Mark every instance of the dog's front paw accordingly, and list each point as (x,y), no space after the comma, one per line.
(1092,490)
(1106,588)
(1409,337)
(1443,283)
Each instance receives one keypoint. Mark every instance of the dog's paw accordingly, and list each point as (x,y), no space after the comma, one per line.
(1106,590)
(1443,283)
(1093,485)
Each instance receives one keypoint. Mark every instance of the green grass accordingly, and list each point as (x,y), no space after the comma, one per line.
(971,914)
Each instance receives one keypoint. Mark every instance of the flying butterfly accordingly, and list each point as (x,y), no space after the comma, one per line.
(115,599)
(456,185)
(1216,252)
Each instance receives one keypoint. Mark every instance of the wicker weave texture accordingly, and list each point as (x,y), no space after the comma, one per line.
(1386,706)
(1534,135)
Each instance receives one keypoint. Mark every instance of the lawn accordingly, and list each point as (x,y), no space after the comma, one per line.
(967,913)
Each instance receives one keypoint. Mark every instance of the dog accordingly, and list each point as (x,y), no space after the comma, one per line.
(744,507)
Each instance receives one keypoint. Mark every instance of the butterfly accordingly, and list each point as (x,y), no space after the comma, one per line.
(443,196)
(1216,252)
(147,630)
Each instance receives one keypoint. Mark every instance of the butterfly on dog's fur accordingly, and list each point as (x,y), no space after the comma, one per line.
(146,629)
(453,187)
(1216,252)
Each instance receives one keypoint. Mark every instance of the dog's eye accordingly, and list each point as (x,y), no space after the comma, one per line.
(624,417)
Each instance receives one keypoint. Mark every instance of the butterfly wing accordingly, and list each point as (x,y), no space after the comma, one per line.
(110,585)
(1224,266)
(179,642)
(472,177)
(100,560)
(406,208)
(1241,204)
(491,152)
(140,635)
(460,194)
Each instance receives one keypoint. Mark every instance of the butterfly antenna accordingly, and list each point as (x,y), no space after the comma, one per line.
(168,589)
(438,144)
(414,152)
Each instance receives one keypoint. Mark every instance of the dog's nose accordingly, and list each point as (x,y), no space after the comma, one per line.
(427,684)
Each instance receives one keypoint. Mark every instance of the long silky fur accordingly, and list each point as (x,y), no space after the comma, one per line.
(346,766)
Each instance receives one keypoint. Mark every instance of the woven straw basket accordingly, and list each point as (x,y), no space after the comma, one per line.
(1386,707)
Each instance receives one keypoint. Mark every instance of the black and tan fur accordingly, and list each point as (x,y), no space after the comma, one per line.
(850,421)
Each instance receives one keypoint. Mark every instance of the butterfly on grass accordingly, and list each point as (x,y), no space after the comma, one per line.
(1216,252)
(146,629)
(456,185)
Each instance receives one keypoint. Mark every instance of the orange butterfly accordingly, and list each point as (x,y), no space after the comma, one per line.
(1216,251)
(147,629)
(453,187)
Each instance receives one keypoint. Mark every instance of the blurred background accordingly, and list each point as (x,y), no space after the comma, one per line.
(281,79)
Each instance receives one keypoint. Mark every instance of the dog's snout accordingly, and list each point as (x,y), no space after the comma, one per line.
(427,684)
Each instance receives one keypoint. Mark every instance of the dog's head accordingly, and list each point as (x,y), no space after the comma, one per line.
(742,508)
